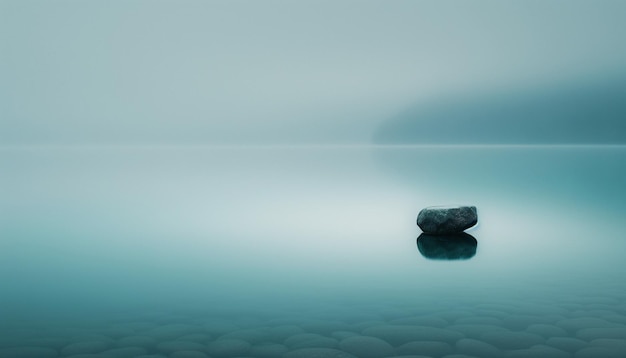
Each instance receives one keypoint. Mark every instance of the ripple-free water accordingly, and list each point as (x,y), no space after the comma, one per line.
(196,245)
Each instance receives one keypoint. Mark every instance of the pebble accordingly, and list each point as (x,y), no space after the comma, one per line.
(84,347)
(282,332)
(128,352)
(589,334)
(269,350)
(538,351)
(575,324)
(599,352)
(28,352)
(250,335)
(568,344)
(188,354)
(218,327)
(310,340)
(228,348)
(195,337)
(546,330)
(427,321)
(137,341)
(475,330)
(511,340)
(168,347)
(428,348)
(172,331)
(478,348)
(366,347)
(446,220)
(317,353)
(397,335)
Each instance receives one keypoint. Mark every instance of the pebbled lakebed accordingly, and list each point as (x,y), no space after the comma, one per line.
(293,252)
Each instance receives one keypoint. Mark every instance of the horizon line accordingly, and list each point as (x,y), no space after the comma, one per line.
(304,145)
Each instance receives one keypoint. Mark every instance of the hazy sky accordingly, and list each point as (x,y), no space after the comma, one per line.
(178,72)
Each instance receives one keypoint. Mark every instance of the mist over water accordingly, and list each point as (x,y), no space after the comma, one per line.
(267,236)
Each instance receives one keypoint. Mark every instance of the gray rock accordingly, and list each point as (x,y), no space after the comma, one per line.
(446,220)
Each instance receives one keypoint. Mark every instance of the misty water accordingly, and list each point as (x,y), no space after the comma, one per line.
(310,251)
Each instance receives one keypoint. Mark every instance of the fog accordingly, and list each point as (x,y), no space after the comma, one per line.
(235,72)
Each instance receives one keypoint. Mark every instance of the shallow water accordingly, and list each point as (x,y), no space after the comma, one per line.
(243,251)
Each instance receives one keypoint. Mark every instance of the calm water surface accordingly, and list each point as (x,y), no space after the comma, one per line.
(310,252)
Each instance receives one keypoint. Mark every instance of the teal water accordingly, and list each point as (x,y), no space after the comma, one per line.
(309,252)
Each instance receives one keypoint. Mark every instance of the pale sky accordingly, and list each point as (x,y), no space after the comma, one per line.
(279,72)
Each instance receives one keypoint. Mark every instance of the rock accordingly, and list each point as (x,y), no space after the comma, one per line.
(427,321)
(268,350)
(618,344)
(28,352)
(439,220)
(195,337)
(229,348)
(317,353)
(566,343)
(324,327)
(447,247)
(477,348)
(188,354)
(84,347)
(343,335)
(127,352)
(589,334)
(250,335)
(218,327)
(538,351)
(512,340)
(310,340)
(493,321)
(366,347)
(574,324)
(168,347)
(172,331)
(92,338)
(427,348)
(282,332)
(397,335)
(599,352)
(137,341)
(474,330)
(546,331)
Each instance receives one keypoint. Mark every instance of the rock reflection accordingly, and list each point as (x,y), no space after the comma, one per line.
(460,246)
